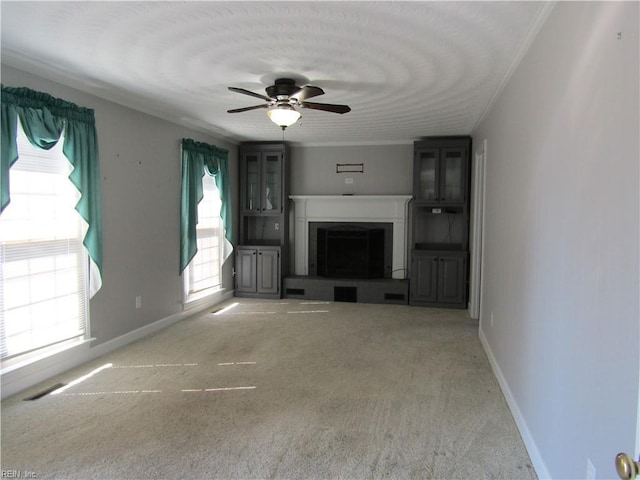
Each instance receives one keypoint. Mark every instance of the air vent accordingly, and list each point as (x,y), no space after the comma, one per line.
(45,392)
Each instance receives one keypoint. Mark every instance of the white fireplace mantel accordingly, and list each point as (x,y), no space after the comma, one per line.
(351,208)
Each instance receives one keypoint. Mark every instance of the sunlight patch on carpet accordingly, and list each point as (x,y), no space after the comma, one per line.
(311,311)
(221,389)
(157,365)
(116,392)
(82,379)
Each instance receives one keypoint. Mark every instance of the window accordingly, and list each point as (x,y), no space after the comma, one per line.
(43,264)
(203,274)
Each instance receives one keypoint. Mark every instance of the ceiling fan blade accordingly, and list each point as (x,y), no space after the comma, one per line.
(327,107)
(246,109)
(250,93)
(307,91)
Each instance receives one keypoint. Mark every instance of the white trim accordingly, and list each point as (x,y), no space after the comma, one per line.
(525,433)
(27,375)
(351,208)
(477,232)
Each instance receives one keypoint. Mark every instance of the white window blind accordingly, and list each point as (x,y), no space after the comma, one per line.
(43,264)
(204,270)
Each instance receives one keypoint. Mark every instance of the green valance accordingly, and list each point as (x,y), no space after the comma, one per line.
(197,159)
(43,118)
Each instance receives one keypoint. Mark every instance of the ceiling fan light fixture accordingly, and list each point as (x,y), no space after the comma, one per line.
(283,115)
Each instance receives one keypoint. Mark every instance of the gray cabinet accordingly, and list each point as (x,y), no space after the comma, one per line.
(258,271)
(246,270)
(452,277)
(440,222)
(262,179)
(424,277)
(440,172)
(437,278)
(262,254)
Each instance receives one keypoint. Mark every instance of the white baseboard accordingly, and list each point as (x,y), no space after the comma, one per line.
(39,370)
(527,438)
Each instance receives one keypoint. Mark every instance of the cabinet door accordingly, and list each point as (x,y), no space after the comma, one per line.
(426,175)
(268,271)
(451,279)
(271,182)
(246,270)
(452,175)
(424,277)
(250,182)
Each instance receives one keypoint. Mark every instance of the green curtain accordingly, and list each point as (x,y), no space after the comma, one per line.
(197,159)
(43,118)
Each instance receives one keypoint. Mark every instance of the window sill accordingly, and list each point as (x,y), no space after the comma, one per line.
(20,373)
(42,355)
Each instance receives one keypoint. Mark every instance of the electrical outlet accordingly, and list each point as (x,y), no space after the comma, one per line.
(138,301)
(591,471)
(276,227)
(348,180)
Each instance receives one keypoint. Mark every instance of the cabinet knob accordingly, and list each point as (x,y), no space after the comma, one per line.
(626,467)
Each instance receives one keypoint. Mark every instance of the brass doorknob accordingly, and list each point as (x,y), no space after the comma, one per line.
(626,467)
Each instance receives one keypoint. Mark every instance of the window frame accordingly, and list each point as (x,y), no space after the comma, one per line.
(190,296)
(36,159)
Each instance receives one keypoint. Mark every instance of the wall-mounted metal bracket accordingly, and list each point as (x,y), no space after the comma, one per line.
(349,167)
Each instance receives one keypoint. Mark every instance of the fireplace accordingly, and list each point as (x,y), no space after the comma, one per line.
(350,251)
(389,210)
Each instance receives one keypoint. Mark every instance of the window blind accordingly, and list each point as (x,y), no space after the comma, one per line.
(204,268)
(43,264)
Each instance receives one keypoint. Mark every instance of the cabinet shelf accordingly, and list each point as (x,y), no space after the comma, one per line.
(440,229)
(431,208)
(439,247)
(262,243)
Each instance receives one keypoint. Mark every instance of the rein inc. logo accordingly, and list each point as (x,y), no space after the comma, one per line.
(17,474)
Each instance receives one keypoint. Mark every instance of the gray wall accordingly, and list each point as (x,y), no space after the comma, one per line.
(561,277)
(387,170)
(140,166)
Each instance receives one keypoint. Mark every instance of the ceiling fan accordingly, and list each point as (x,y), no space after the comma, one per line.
(282,99)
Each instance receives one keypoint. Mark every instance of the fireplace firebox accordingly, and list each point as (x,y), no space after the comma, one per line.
(351,252)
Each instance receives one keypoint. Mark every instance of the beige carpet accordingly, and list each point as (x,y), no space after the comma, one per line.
(278,389)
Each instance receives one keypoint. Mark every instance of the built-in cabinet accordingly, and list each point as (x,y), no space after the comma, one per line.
(438,277)
(440,222)
(262,253)
(258,271)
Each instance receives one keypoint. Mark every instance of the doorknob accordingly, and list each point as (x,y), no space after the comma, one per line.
(626,467)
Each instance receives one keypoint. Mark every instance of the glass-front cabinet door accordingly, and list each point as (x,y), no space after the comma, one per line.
(439,175)
(426,187)
(451,176)
(271,182)
(251,195)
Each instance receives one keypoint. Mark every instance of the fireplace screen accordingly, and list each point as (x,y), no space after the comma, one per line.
(351,252)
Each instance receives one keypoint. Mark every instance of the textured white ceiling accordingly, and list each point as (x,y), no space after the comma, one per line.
(406,69)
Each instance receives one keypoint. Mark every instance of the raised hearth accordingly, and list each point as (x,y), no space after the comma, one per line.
(353,209)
